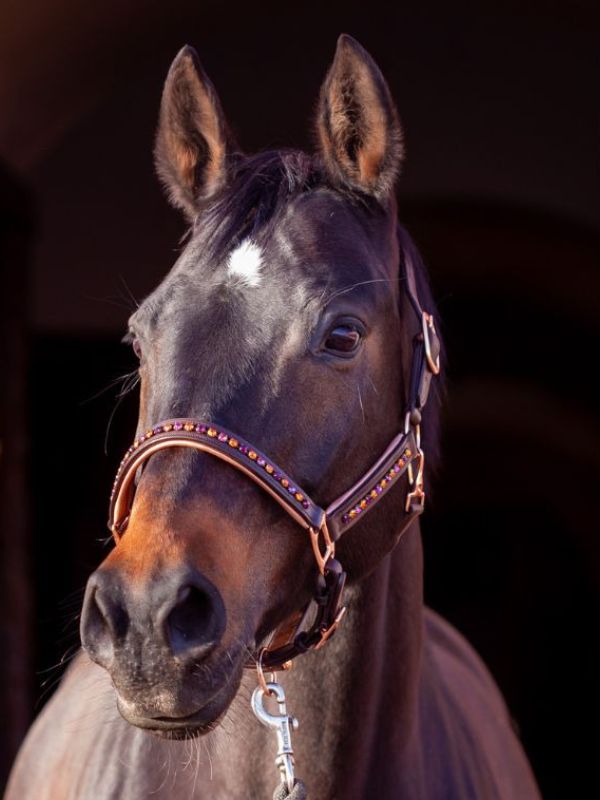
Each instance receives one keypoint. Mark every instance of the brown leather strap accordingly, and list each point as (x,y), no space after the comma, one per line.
(348,509)
(221,443)
(216,440)
(426,344)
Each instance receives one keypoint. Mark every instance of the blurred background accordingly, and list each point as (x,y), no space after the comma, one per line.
(500,192)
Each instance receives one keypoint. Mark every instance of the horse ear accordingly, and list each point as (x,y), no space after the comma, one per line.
(357,123)
(192,141)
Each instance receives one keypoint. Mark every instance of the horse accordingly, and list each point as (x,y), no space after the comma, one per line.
(294,320)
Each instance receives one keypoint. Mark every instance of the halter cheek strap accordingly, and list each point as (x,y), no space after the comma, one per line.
(401,463)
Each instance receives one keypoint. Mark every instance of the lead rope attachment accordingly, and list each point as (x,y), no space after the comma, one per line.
(329,615)
(283,724)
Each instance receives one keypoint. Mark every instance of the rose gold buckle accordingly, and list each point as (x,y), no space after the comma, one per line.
(429,325)
(417,494)
(327,632)
(322,558)
(262,682)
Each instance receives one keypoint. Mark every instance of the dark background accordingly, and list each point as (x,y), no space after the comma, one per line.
(500,191)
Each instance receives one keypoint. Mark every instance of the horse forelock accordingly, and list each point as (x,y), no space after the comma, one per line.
(258,190)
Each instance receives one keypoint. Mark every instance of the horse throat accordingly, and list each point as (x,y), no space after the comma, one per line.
(356,699)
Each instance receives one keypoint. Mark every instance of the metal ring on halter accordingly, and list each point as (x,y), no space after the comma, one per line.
(322,558)
(262,682)
(417,494)
(429,326)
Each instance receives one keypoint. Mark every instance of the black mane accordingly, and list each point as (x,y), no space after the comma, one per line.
(259,187)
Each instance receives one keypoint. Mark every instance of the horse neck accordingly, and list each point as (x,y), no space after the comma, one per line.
(343,694)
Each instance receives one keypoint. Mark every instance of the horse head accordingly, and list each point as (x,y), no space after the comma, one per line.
(283,320)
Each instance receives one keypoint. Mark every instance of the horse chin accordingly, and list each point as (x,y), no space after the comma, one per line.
(201,720)
(179,728)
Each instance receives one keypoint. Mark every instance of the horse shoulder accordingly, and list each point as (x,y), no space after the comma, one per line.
(78,747)
(470,748)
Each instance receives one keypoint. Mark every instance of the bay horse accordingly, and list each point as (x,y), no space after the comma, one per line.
(297,320)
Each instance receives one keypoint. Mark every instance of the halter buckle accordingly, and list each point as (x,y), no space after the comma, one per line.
(322,558)
(428,331)
(326,633)
(415,499)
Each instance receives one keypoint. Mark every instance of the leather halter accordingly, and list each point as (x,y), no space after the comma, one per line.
(401,463)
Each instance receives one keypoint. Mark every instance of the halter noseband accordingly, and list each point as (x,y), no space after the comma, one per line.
(402,462)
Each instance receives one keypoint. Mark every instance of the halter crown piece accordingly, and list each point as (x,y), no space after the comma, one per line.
(402,463)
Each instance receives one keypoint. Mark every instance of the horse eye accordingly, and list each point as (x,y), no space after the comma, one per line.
(343,339)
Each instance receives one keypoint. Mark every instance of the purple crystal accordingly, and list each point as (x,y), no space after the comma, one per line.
(158,429)
(358,509)
(378,489)
(222,437)
(345,519)
(201,428)
(305,504)
(243,449)
(396,468)
(292,489)
(261,462)
(277,476)
(177,426)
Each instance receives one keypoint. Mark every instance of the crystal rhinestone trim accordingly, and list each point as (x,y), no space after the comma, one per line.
(379,489)
(224,437)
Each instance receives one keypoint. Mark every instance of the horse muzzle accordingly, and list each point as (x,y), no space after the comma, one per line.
(160,643)
(182,725)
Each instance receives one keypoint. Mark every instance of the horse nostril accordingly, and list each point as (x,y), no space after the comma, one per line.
(192,624)
(103,621)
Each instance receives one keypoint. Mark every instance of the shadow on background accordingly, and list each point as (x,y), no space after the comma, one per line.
(498,196)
